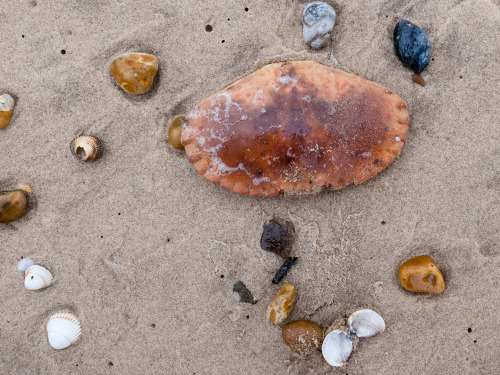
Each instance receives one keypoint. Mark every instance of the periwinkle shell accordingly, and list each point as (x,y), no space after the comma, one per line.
(412,46)
(318,20)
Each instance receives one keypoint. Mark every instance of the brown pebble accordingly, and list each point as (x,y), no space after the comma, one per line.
(281,304)
(421,274)
(302,336)
(135,72)
(13,205)
(175,132)
(6,108)
(278,237)
(418,79)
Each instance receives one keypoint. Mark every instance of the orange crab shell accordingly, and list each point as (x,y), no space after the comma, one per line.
(295,127)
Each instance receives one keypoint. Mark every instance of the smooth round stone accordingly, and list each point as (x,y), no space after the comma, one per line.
(134,72)
(281,304)
(13,205)
(175,132)
(318,20)
(421,274)
(412,46)
(6,108)
(302,336)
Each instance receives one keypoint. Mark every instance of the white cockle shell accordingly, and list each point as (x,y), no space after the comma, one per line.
(37,277)
(24,264)
(63,329)
(318,19)
(337,348)
(365,323)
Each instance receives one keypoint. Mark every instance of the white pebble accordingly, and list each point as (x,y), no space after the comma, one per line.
(318,20)
(24,264)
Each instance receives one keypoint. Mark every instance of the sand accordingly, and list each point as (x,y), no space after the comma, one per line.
(146,252)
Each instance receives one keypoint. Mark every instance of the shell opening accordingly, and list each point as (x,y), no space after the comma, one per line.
(80,151)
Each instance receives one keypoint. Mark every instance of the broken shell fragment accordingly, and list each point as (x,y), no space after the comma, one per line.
(302,336)
(135,72)
(277,237)
(421,274)
(37,277)
(175,132)
(24,264)
(365,323)
(318,20)
(295,127)
(281,304)
(13,205)
(6,108)
(86,148)
(337,348)
(63,329)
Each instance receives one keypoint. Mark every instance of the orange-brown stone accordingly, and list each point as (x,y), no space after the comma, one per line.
(13,205)
(421,274)
(302,336)
(134,72)
(281,304)
(6,108)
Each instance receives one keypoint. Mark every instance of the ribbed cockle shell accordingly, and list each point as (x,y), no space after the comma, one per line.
(37,277)
(63,329)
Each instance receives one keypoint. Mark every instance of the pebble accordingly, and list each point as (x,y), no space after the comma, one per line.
(243,292)
(421,274)
(278,237)
(412,46)
(175,133)
(6,108)
(134,72)
(281,304)
(302,336)
(318,20)
(283,270)
(13,205)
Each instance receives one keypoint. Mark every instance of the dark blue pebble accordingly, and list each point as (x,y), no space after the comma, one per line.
(412,46)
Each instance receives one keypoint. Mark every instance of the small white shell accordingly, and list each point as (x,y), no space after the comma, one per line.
(63,329)
(318,19)
(366,323)
(24,264)
(37,277)
(6,102)
(337,348)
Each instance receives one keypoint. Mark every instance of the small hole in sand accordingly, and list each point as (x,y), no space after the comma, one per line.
(208,28)
(153,325)
(102,236)
(461,77)
(383,222)
(469,330)
(168,239)
(110,363)
(248,316)
(475,341)
(221,276)
(246,9)
(229,19)
(63,52)
(223,41)
(432,59)
(119,214)
(22,36)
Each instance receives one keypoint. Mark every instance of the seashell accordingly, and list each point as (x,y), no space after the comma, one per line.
(295,127)
(24,264)
(421,274)
(26,188)
(6,108)
(412,46)
(318,20)
(278,237)
(63,329)
(174,133)
(86,147)
(13,205)
(302,336)
(365,323)
(281,304)
(337,348)
(134,72)
(37,277)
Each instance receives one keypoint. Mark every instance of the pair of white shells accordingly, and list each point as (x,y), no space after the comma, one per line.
(63,329)
(318,20)
(337,345)
(35,277)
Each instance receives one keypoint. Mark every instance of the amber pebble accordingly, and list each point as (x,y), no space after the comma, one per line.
(174,133)
(13,205)
(277,237)
(302,336)
(135,72)
(418,79)
(6,108)
(421,274)
(281,304)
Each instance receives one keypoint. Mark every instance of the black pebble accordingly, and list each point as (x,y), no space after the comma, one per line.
(281,273)
(412,46)
(242,290)
(278,237)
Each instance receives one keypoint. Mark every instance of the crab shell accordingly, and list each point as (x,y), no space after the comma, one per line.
(295,127)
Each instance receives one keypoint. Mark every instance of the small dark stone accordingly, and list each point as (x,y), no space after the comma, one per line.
(281,273)
(412,46)
(278,237)
(242,290)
